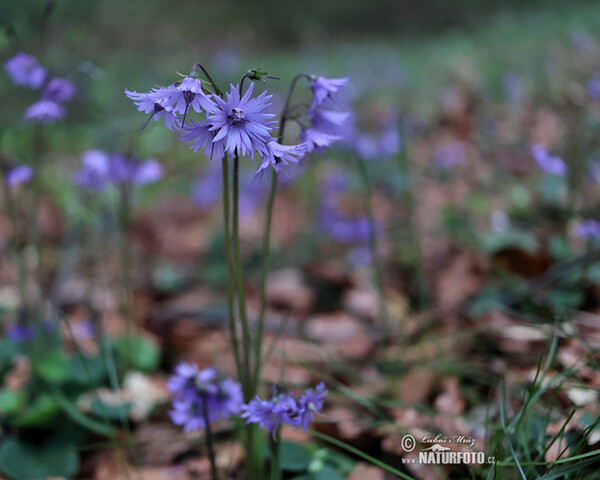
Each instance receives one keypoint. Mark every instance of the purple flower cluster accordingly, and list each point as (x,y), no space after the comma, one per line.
(200,394)
(285,409)
(101,169)
(25,70)
(239,124)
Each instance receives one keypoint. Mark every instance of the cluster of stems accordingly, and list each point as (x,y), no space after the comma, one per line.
(246,346)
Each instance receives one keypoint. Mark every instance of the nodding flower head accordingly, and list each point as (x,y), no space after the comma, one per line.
(324,88)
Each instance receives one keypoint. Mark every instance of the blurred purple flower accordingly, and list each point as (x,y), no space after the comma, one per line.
(588,230)
(123,169)
(343,228)
(21,333)
(101,169)
(207,189)
(449,155)
(202,392)
(241,124)
(45,111)
(25,70)
(18,175)
(94,174)
(593,86)
(550,164)
(59,90)
(323,88)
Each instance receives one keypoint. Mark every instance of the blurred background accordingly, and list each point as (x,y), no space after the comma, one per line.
(485,254)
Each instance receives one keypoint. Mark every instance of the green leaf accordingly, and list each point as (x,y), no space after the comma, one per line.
(138,351)
(52,367)
(73,412)
(86,371)
(43,409)
(24,461)
(111,412)
(11,401)
(293,457)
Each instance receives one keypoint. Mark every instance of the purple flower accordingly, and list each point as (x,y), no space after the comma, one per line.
(208,187)
(343,228)
(270,414)
(94,175)
(593,86)
(310,403)
(148,103)
(21,333)
(276,155)
(200,393)
(390,142)
(285,409)
(240,124)
(323,88)
(328,121)
(316,141)
(45,111)
(201,132)
(124,169)
(588,230)
(59,90)
(366,146)
(147,172)
(180,97)
(25,70)
(19,175)
(550,164)
(449,155)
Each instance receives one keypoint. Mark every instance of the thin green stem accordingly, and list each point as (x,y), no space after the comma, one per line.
(217,90)
(275,444)
(377,274)
(266,245)
(241,297)
(36,231)
(422,287)
(209,441)
(12,214)
(230,287)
